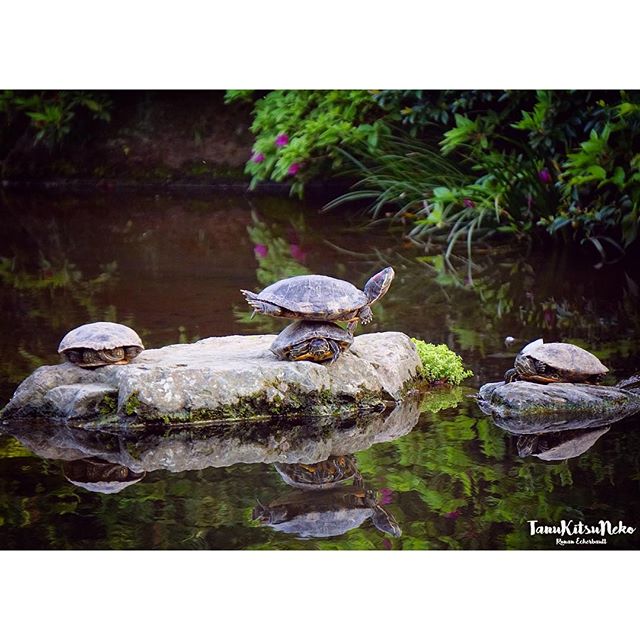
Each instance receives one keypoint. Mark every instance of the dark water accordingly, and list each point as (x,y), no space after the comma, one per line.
(446,476)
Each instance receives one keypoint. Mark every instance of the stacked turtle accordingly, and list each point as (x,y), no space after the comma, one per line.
(556,362)
(317,303)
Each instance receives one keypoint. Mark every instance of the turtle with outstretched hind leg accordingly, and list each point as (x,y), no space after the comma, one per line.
(556,362)
(100,343)
(316,297)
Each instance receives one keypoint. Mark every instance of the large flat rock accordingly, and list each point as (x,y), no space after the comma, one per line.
(220,379)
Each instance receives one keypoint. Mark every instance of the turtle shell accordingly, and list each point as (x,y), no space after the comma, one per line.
(319,475)
(322,514)
(317,296)
(303,330)
(100,335)
(565,357)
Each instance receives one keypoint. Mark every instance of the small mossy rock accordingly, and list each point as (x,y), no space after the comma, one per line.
(226,378)
(562,401)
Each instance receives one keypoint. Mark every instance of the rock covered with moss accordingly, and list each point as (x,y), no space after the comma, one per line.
(220,379)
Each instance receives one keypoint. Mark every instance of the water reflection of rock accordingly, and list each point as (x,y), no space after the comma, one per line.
(181,449)
(321,508)
(100,476)
(552,438)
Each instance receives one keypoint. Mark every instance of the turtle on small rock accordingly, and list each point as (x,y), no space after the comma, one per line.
(556,362)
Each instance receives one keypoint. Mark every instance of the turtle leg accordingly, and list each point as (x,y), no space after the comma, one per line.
(365,315)
(335,350)
(511,375)
(260,306)
(384,521)
(351,327)
(131,352)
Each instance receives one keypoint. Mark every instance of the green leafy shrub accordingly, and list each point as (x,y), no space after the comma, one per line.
(46,117)
(299,133)
(518,161)
(440,364)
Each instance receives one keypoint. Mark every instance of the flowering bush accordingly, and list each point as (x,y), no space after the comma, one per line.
(299,133)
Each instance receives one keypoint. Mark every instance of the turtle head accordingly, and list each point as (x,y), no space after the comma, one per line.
(316,350)
(379,284)
(269,515)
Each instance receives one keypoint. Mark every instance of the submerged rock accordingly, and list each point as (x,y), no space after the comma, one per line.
(220,379)
(528,406)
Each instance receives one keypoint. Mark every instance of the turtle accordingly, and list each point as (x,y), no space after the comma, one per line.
(309,340)
(100,343)
(317,297)
(320,475)
(100,476)
(326,513)
(559,445)
(556,362)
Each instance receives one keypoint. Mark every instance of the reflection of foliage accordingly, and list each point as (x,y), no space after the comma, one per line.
(277,259)
(451,483)
(440,398)
(440,364)
(48,296)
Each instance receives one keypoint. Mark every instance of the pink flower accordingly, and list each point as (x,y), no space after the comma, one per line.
(282,140)
(261,250)
(257,158)
(470,204)
(297,253)
(386,543)
(452,515)
(544,176)
(294,168)
(386,496)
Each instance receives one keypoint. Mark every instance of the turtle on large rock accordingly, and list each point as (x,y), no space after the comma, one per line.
(100,343)
(556,362)
(317,297)
(308,340)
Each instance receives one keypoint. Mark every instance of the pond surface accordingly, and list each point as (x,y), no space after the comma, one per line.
(172,268)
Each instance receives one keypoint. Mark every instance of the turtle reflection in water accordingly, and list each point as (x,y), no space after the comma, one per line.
(100,476)
(321,475)
(328,509)
(556,362)
(100,343)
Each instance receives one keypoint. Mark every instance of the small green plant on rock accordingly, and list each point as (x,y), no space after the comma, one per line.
(440,364)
